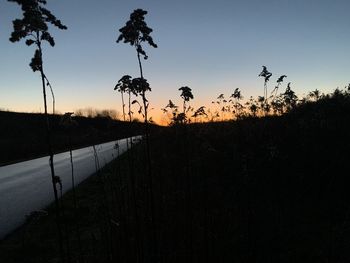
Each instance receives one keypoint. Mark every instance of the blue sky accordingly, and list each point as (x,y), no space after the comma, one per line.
(211,46)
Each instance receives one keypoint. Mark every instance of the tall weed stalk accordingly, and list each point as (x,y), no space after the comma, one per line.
(136,32)
(33,27)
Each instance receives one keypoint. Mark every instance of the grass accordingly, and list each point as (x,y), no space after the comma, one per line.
(271,189)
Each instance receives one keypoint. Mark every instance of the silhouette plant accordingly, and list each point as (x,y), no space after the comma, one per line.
(236,97)
(278,104)
(186,95)
(136,33)
(48,84)
(213,114)
(221,101)
(124,86)
(68,123)
(263,105)
(266,75)
(139,86)
(252,107)
(130,86)
(314,95)
(289,98)
(174,111)
(279,81)
(181,117)
(199,113)
(34,28)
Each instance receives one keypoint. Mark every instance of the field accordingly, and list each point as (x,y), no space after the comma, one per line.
(270,189)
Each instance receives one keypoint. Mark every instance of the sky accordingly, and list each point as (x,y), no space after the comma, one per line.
(211,46)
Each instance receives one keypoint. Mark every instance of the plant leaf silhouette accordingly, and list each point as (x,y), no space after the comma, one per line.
(280,79)
(186,93)
(136,31)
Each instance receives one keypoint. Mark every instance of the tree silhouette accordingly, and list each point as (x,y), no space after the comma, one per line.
(34,28)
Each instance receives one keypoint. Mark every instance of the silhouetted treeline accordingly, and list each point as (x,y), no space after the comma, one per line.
(22,135)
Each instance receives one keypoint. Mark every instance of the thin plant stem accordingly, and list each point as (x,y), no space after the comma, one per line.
(51,155)
(52,94)
(149,166)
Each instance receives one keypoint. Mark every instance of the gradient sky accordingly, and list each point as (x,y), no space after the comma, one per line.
(211,46)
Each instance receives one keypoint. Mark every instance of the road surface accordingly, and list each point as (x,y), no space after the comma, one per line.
(27,186)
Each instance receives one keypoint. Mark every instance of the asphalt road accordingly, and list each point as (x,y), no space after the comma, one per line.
(26,186)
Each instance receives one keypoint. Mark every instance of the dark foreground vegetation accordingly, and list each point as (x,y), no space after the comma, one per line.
(271,189)
(23,135)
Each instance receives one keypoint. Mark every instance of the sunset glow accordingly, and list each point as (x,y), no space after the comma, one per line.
(211,47)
